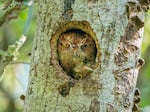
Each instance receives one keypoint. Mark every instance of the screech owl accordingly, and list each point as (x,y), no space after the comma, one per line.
(76,52)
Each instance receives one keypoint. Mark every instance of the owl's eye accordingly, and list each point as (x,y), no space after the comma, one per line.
(83,46)
(61,44)
(65,45)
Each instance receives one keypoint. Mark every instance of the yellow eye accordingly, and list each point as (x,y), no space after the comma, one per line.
(65,45)
(84,46)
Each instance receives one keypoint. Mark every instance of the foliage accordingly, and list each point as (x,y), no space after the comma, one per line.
(16,73)
(144,74)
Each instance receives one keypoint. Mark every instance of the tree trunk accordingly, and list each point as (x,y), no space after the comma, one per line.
(97,77)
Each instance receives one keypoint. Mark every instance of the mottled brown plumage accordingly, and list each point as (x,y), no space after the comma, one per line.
(77,53)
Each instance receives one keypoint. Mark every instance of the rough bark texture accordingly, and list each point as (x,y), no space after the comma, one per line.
(115,27)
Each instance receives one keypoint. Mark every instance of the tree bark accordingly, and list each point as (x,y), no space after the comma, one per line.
(115,26)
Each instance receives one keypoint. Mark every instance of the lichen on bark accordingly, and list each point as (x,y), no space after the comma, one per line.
(110,87)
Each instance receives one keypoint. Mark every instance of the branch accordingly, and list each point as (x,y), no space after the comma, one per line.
(10,55)
(8,10)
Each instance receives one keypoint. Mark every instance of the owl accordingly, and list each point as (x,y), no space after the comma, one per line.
(76,53)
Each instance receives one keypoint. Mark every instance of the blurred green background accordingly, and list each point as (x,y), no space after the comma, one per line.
(15,80)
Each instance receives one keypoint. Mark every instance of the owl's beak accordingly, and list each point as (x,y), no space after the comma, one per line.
(88,68)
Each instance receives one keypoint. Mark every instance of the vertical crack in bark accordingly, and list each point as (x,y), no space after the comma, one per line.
(111,108)
(94,106)
(68,13)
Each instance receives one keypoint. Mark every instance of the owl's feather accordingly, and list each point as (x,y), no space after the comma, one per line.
(77,53)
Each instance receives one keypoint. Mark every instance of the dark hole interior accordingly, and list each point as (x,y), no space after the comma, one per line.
(78,31)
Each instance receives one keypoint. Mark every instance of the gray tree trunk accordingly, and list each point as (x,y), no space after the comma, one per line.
(115,26)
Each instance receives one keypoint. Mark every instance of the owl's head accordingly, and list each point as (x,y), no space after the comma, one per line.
(74,38)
